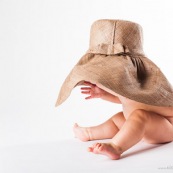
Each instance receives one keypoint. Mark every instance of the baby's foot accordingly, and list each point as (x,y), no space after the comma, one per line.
(81,132)
(108,149)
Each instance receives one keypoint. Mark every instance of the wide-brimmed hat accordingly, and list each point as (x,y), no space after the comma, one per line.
(115,62)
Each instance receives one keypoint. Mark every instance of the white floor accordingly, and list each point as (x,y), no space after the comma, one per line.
(71,156)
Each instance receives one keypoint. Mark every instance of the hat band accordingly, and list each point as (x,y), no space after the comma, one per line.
(121,50)
(116,49)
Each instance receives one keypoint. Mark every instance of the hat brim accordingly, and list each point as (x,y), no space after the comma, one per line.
(119,75)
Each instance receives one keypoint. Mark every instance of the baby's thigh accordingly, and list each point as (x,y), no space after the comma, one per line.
(158,129)
(118,119)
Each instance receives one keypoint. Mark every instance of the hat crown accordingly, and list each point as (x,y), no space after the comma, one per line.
(106,34)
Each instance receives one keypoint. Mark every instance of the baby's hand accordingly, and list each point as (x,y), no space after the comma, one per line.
(92,90)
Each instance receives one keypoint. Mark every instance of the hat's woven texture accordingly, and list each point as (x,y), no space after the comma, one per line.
(115,61)
(106,34)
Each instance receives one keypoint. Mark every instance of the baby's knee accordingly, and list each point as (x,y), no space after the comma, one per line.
(139,115)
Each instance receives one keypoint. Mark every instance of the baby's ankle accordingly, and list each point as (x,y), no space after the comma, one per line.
(88,130)
(118,148)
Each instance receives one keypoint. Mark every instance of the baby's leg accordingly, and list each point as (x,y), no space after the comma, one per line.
(103,131)
(150,126)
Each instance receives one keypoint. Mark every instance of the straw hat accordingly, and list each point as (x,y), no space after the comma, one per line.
(116,63)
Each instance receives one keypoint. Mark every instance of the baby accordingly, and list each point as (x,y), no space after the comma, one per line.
(116,63)
(136,122)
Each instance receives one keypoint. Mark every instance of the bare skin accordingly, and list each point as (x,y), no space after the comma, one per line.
(137,121)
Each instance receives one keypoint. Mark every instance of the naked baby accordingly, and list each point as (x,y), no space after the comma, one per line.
(116,69)
(136,121)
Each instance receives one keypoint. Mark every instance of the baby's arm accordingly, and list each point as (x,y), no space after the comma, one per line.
(95,92)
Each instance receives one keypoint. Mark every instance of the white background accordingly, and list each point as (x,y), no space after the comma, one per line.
(41,41)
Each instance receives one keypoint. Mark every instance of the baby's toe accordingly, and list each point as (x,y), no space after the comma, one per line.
(90,149)
(76,125)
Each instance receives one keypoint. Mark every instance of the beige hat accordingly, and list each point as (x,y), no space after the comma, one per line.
(116,63)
